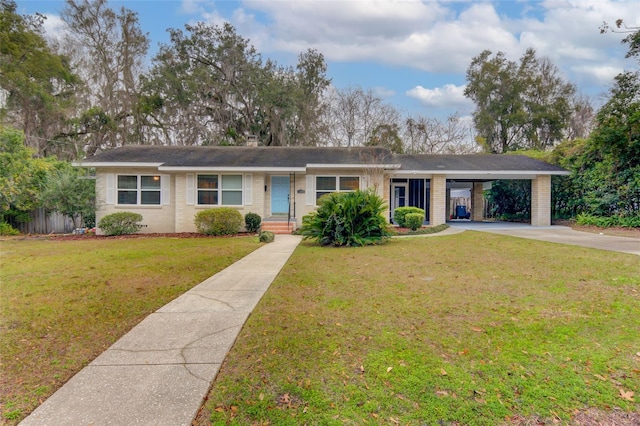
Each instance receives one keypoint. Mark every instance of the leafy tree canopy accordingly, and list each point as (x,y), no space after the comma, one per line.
(525,105)
(22,177)
(39,82)
(216,89)
(610,165)
(69,192)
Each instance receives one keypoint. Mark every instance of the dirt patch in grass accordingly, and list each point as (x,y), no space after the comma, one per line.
(593,417)
(590,417)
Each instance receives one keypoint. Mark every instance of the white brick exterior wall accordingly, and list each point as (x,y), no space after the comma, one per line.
(541,201)
(438,200)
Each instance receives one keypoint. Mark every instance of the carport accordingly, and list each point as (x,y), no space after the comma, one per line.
(426,181)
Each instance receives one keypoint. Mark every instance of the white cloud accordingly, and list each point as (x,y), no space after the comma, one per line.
(437,36)
(449,96)
(54,27)
(191,7)
(382,31)
(598,74)
(424,35)
(383,92)
(348,22)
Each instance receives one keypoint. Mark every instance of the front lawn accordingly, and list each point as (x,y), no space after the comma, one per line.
(64,302)
(467,329)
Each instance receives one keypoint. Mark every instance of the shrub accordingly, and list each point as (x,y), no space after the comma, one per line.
(608,221)
(630,221)
(121,223)
(347,219)
(266,237)
(414,220)
(400,213)
(218,221)
(252,222)
(7,229)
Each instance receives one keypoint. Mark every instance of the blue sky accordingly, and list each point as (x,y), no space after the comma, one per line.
(413,54)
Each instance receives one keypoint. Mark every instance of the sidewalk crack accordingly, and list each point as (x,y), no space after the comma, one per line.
(214,300)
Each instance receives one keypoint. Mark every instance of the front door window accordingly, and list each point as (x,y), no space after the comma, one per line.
(399,197)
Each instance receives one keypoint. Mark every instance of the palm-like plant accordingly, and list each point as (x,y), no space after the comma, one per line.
(347,219)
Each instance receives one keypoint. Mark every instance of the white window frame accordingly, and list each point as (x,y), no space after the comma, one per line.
(220,190)
(337,184)
(139,190)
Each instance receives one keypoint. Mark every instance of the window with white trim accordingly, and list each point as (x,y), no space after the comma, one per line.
(139,189)
(224,190)
(328,184)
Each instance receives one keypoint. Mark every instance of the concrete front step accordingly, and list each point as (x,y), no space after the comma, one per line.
(278,226)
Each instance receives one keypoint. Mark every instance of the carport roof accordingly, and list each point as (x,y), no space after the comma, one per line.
(174,158)
(475,163)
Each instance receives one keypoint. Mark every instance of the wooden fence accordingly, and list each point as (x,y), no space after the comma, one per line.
(42,223)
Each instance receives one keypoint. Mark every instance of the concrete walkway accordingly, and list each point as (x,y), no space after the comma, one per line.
(555,234)
(160,372)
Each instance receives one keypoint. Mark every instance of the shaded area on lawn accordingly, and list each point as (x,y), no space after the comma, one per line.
(473,329)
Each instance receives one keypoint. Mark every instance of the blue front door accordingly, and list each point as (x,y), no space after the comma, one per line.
(279,195)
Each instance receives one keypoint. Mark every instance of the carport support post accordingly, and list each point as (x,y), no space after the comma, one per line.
(477,202)
(541,201)
(438,200)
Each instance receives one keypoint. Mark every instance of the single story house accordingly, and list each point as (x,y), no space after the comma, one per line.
(168,185)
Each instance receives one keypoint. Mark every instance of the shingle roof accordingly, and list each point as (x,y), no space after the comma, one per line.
(234,156)
(477,162)
(301,157)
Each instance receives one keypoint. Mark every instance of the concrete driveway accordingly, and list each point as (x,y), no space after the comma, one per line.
(554,234)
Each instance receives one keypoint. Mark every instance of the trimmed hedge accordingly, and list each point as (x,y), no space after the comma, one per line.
(266,237)
(252,222)
(414,220)
(120,223)
(218,221)
(400,213)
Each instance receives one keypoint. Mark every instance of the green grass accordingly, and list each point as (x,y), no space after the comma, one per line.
(64,302)
(473,329)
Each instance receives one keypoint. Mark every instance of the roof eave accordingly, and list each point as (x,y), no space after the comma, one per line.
(231,169)
(485,172)
(353,166)
(114,164)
